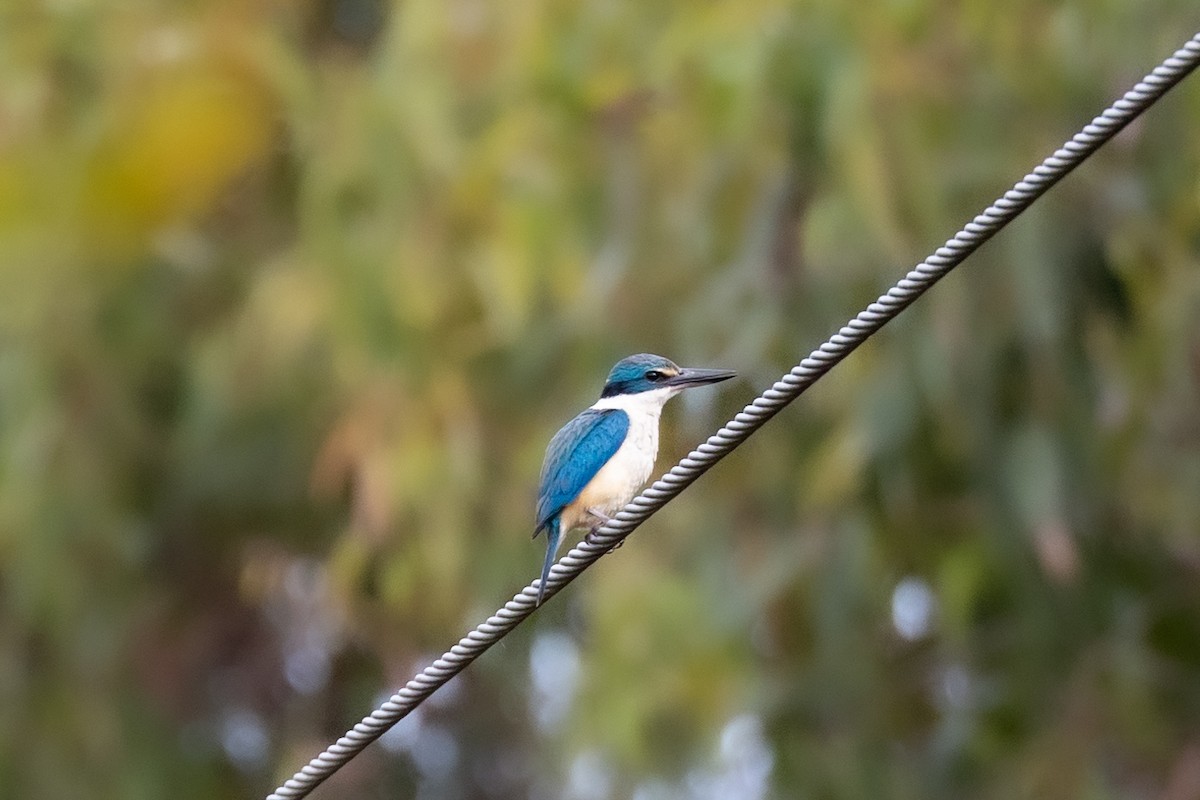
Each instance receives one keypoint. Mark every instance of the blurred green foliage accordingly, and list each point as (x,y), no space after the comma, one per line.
(292,296)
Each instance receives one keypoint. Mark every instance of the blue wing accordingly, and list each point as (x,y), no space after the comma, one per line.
(575,455)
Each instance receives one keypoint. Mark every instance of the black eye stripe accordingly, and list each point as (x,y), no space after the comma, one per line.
(654,375)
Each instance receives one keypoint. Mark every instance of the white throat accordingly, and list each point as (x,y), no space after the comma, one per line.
(642,404)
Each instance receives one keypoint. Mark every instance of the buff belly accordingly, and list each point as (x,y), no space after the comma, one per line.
(617,482)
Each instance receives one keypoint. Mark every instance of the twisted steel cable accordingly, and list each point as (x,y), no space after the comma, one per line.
(753,416)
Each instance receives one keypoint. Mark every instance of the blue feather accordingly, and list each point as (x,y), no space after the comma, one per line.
(576,453)
(553,534)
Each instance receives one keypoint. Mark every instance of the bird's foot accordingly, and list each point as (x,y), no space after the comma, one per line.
(602,519)
(590,539)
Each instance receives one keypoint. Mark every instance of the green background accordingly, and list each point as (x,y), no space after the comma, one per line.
(292,296)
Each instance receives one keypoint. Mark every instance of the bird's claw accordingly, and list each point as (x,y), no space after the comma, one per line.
(590,538)
(601,518)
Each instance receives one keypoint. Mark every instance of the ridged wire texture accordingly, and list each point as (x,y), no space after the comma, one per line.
(785,390)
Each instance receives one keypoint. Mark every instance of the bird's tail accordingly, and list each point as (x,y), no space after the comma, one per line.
(553,534)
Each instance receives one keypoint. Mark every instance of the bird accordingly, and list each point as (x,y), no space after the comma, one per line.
(598,461)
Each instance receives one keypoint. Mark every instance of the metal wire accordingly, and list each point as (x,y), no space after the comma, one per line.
(784,391)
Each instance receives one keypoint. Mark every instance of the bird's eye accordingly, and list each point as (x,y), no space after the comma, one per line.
(655,376)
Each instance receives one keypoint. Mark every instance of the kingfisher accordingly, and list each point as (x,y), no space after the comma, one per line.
(599,461)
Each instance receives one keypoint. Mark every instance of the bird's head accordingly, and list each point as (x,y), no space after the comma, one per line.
(645,372)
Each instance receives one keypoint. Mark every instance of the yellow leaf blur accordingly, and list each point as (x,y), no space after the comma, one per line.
(172,152)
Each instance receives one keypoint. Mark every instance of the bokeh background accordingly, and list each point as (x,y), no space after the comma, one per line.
(293,294)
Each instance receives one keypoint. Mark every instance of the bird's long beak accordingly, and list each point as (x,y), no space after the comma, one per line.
(690,376)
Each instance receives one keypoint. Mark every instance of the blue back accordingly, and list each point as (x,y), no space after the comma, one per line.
(575,455)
